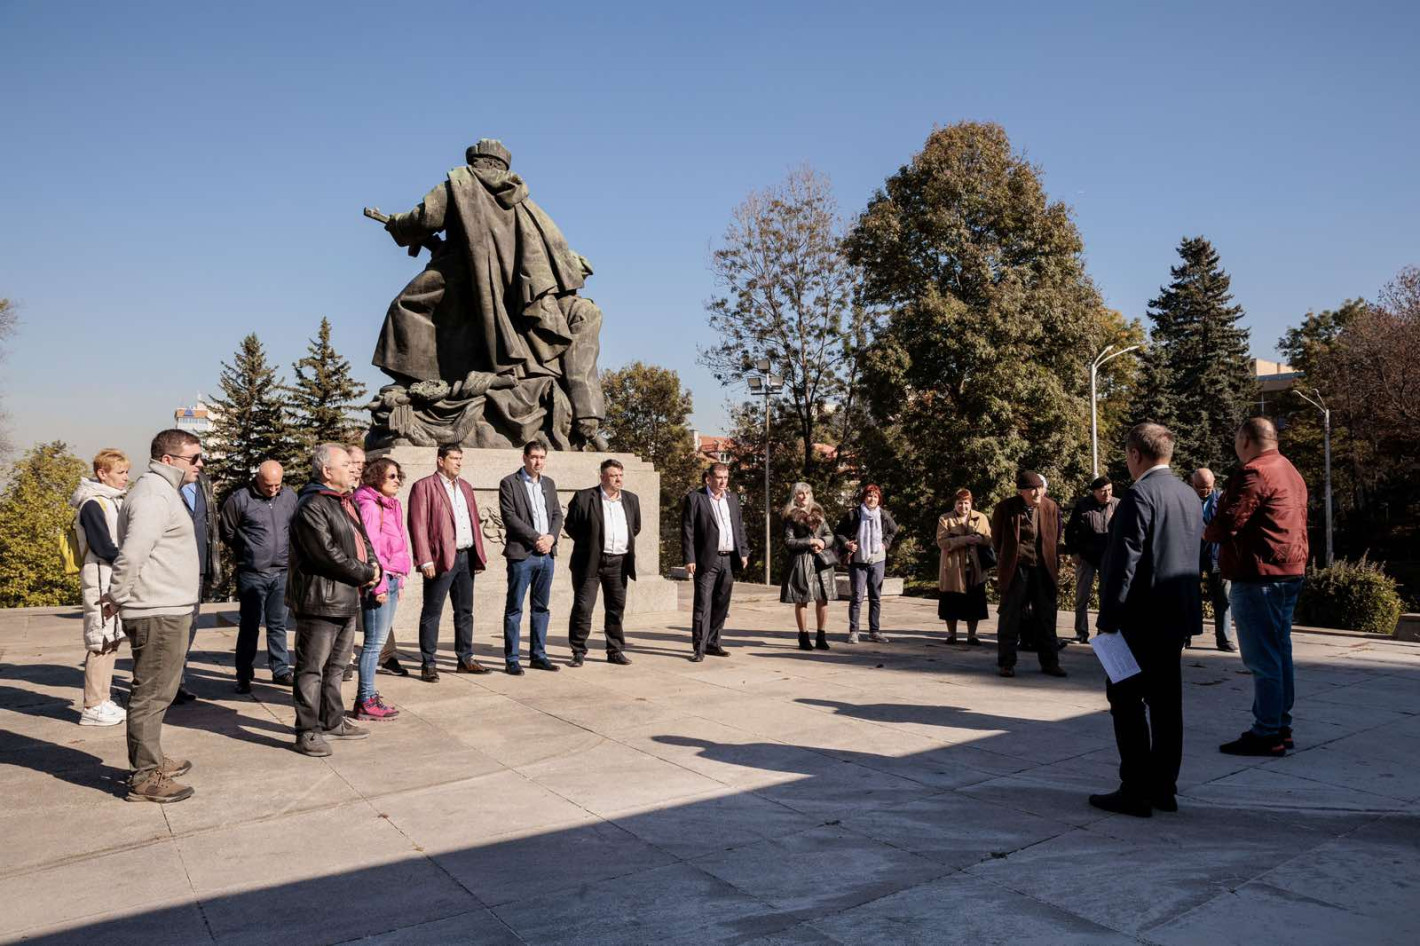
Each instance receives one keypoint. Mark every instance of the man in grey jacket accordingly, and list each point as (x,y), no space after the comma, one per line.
(155,587)
(256,526)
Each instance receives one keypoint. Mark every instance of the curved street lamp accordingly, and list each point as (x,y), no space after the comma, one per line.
(1100,359)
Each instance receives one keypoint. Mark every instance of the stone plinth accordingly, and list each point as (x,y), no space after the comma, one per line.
(571,471)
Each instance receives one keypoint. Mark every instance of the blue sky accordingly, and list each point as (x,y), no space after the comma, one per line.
(174,176)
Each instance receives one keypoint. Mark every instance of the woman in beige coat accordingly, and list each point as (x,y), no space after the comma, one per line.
(961,579)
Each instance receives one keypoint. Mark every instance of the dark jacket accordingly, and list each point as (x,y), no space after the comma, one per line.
(204,527)
(1087,533)
(847,530)
(1006,536)
(1149,582)
(257,528)
(325,568)
(584,524)
(517,515)
(1261,522)
(700,534)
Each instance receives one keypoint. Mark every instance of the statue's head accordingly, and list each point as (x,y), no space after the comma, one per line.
(489,150)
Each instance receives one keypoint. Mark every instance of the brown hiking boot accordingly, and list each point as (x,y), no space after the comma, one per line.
(159,788)
(173,768)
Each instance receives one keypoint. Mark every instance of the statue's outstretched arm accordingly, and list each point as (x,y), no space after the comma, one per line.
(418,225)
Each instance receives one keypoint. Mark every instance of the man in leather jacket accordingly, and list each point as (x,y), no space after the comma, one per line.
(331,561)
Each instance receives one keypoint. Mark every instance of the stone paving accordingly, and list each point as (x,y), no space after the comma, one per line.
(897,793)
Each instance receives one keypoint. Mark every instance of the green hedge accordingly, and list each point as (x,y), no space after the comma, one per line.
(1356,596)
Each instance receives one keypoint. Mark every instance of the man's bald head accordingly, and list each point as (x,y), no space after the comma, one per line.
(1255,436)
(268,478)
(1203,480)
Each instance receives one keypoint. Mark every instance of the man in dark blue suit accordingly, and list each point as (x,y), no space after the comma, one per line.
(1149,593)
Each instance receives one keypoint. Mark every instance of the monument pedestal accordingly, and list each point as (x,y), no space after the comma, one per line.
(571,471)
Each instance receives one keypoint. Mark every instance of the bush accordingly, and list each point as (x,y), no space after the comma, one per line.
(1357,596)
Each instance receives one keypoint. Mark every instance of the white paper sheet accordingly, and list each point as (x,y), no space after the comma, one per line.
(1115,656)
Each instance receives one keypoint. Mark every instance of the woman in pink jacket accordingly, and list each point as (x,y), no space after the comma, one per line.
(384,523)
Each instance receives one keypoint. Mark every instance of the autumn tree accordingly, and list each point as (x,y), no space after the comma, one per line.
(647,414)
(34,515)
(325,396)
(983,365)
(788,296)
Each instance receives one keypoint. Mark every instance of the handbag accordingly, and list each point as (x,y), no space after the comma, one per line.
(826,559)
(986,555)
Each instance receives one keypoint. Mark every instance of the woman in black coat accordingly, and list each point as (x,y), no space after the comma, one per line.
(809,577)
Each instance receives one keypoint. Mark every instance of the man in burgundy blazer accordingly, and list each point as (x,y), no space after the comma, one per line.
(448,550)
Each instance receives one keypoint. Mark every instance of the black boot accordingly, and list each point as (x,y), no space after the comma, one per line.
(804,641)
(822,642)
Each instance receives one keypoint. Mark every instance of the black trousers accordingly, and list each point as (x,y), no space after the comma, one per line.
(1150,747)
(320,664)
(610,577)
(457,581)
(714,581)
(1030,585)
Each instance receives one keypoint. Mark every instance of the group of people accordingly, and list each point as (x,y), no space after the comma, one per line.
(336,555)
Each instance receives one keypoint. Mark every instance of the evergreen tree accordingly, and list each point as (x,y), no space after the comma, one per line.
(325,396)
(251,421)
(34,514)
(1204,384)
(983,366)
(647,414)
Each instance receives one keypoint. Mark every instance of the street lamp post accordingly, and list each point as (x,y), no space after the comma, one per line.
(765,383)
(1320,405)
(1100,359)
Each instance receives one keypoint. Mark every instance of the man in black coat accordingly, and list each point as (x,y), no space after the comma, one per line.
(1149,593)
(331,560)
(1087,537)
(714,545)
(603,522)
(532,520)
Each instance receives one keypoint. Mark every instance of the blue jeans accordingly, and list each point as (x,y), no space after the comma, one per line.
(533,572)
(378,621)
(1262,613)
(867,581)
(262,595)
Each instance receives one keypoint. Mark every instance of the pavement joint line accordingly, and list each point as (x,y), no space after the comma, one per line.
(196,898)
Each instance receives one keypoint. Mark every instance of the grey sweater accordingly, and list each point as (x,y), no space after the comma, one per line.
(156,570)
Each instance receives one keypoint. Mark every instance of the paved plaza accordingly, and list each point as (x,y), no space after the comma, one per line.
(896,794)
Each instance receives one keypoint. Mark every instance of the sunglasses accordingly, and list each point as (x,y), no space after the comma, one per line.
(195,459)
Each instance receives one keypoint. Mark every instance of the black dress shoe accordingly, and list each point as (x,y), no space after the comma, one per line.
(577,660)
(696,658)
(243,686)
(1062,644)
(469,665)
(1122,804)
(393,666)
(184,695)
(618,658)
(1005,671)
(1164,803)
(542,663)
(429,674)
(717,651)
(1055,671)
(513,670)
(1082,638)
(1287,742)
(1251,744)
(284,679)
(1226,646)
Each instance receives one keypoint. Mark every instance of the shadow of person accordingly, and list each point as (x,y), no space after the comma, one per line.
(951,717)
(44,675)
(62,762)
(224,720)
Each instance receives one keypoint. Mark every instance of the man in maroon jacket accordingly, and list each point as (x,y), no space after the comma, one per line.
(448,550)
(1261,528)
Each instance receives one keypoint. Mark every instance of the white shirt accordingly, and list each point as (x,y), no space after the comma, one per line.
(1157,466)
(537,499)
(721,507)
(616,536)
(463,525)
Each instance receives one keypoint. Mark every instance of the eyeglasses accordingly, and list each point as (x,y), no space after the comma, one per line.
(394,476)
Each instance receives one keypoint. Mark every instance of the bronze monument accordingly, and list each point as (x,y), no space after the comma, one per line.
(489,346)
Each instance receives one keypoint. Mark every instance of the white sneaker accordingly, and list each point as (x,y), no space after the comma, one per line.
(105,714)
(117,710)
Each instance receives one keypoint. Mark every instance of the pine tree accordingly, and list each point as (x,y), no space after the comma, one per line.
(325,396)
(34,514)
(251,421)
(1204,384)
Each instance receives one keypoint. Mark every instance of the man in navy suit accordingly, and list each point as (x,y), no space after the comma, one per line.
(715,546)
(1149,593)
(532,519)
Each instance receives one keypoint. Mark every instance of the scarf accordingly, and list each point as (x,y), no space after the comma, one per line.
(870,534)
